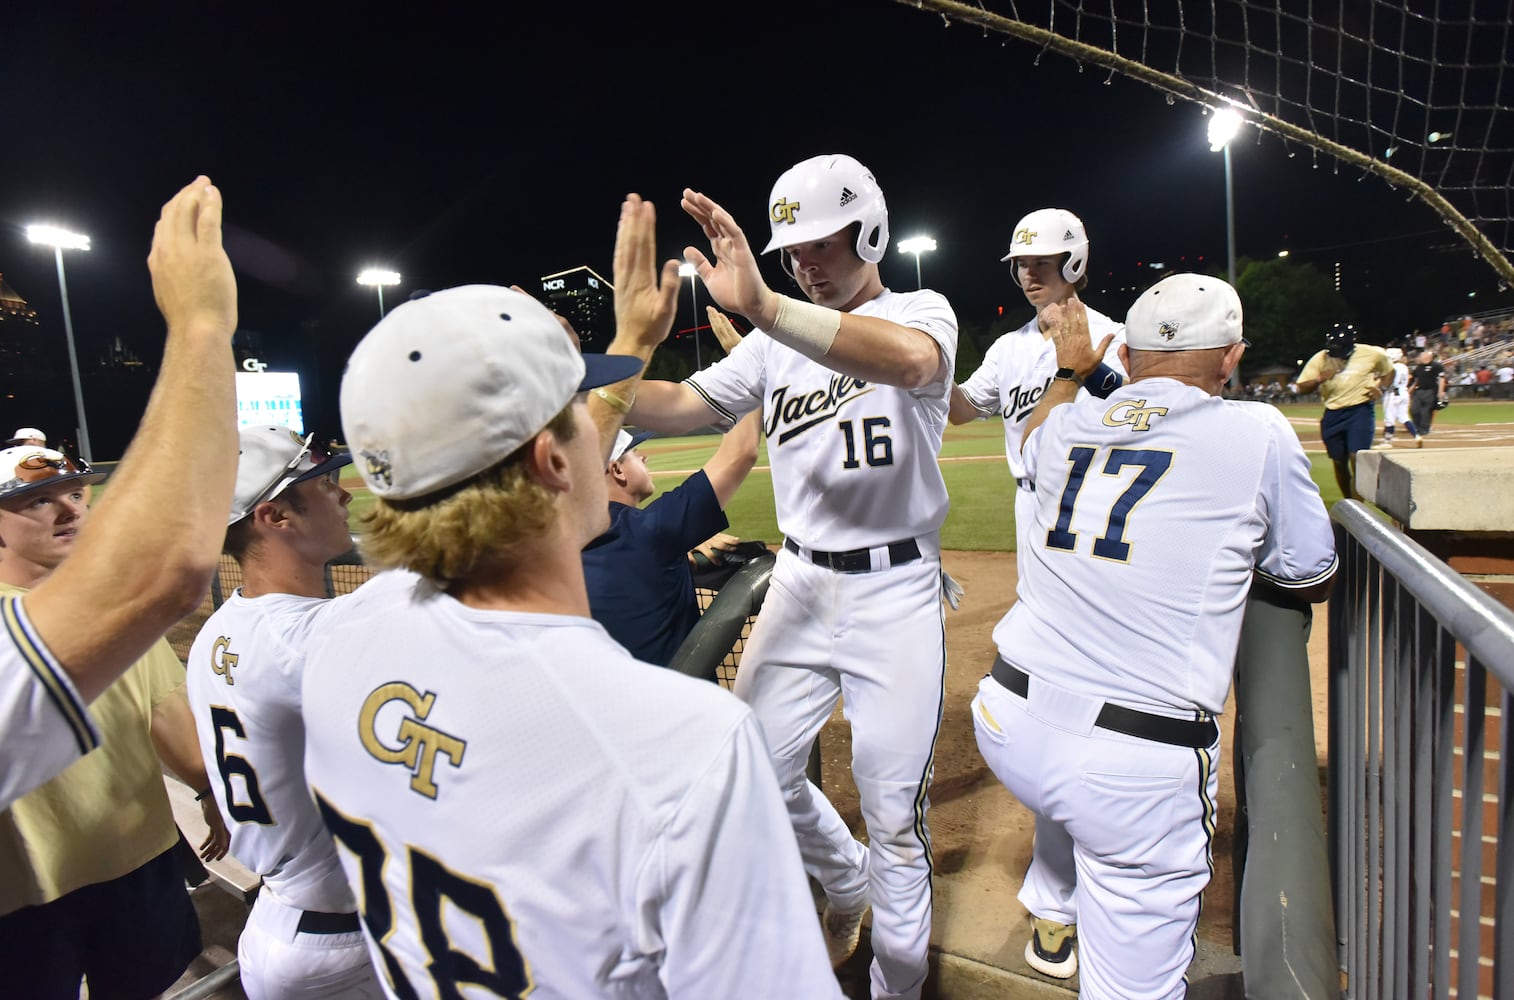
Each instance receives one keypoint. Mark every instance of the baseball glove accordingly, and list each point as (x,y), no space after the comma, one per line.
(1441,404)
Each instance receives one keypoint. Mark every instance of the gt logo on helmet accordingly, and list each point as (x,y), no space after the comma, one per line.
(784,210)
(1026,236)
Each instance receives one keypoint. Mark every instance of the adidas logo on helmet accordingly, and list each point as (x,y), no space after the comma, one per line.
(847,196)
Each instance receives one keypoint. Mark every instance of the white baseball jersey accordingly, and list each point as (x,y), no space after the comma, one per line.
(1396,398)
(522,805)
(244,676)
(43,720)
(1166,492)
(854,463)
(1018,368)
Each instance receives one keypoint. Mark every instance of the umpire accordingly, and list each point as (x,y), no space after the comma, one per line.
(1349,376)
(1427,383)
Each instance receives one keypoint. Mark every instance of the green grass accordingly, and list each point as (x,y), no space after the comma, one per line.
(982,492)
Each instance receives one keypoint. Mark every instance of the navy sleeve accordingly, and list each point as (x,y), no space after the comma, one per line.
(683,517)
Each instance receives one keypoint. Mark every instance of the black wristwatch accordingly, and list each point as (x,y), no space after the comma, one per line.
(1068,375)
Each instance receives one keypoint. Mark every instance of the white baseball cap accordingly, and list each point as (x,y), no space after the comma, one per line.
(1395,353)
(1184,312)
(271,460)
(24,434)
(447,385)
(28,467)
(626,441)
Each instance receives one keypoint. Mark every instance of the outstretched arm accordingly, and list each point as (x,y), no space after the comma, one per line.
(727,469)
(962,410)
(866,347)
(147,554)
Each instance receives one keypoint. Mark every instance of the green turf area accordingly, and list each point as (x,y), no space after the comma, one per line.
(977,478)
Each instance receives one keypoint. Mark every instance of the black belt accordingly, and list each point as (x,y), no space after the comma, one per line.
(315,922)
(857,560)
(1197,733)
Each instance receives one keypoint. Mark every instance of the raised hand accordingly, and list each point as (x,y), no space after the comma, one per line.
(1067,324)
(726,333)
(646,297)
(733,280)
(191,274)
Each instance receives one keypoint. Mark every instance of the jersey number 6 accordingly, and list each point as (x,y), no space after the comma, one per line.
(1112,544)
(254,810)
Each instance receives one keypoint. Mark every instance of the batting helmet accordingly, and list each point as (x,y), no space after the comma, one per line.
(1340,340)
(823,195)
(1048,232)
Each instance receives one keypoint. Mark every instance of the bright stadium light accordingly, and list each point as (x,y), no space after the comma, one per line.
(917,245)
(61,240)
(378,278)
(1224,123)
(687,270)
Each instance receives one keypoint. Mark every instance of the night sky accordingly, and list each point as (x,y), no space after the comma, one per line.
(496,148)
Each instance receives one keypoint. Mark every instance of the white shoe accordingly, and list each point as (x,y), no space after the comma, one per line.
(843,929)
(1052,948)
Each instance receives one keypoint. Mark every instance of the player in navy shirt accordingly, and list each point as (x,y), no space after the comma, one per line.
(640,583)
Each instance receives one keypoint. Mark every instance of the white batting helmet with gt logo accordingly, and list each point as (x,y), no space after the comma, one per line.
(823,195)
(1051,232)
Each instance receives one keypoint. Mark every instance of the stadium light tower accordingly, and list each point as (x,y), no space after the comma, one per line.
(1223,126)
(687,270)
(61,240)
(917,245)
(1224,123)
(378,278)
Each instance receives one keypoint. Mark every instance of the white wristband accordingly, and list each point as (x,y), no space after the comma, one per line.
(806,327)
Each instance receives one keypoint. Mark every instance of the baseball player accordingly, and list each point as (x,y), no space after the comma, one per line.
(1049,259)
(1155,509)
(1349,376)
(29,436)
(288,519)
(135,572)
(1396,402)
(855,386)
(519,805)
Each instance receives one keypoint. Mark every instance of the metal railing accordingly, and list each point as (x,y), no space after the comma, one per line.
(1414,652)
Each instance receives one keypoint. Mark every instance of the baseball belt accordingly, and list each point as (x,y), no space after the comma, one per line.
(857,560)
(1199,734)
(315,922)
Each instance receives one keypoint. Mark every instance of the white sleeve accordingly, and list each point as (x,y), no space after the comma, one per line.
(732,386)
(1299,550)
(729,894)
(931,314)
(1112,356)
(44,726)
(982,386)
